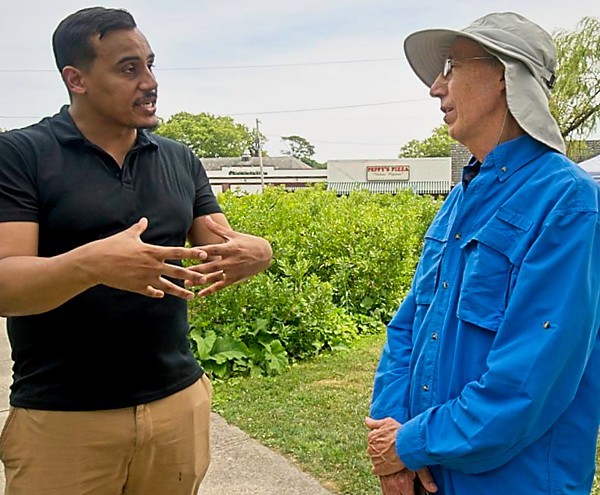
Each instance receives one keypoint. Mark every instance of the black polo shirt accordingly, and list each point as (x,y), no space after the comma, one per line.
(105,348)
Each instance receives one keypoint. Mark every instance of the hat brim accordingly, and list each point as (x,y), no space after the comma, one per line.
(426,52)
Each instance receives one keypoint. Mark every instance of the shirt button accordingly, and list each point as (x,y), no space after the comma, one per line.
(444,285)
(434,336)
(457,236)
(504,169)
(547,325)
(426,388)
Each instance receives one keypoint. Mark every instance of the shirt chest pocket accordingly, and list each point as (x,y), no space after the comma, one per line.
(493,256)
(427,272)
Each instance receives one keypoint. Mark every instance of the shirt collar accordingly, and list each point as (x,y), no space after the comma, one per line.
(67,132)
(507,158)
(470,171)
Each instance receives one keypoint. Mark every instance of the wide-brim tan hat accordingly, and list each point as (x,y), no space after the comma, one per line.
(525,49)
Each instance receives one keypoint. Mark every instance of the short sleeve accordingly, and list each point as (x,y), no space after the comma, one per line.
(205,202)
(18,181)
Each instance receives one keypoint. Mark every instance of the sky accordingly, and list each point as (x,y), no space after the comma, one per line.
(330,71)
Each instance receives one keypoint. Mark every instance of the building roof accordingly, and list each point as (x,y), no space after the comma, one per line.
(277,162)
(591,165)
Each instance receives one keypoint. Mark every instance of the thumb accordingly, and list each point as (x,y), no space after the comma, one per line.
(140,227)
(427,480)
(373,423)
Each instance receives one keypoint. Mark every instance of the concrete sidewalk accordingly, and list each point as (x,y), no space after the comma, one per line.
(239,466)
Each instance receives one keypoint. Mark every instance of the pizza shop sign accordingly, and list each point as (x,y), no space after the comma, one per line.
(388,172)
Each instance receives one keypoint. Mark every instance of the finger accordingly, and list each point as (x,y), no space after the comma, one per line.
(152,292)
(211,289)
(175,290)
(398,483)
(372,436)
(210,266)
(139,227)
(202,280)
(218,250)
(184,274)
(219,276)
(179,253)
(427,480)
(374,423)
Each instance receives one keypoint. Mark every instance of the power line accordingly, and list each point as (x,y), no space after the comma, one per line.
(227,67)
(339,142)
(297,64)
(360,105)
(297,110)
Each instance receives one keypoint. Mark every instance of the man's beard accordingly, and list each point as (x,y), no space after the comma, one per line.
(152,127)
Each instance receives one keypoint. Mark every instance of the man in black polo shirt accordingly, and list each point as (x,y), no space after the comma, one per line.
(94,215)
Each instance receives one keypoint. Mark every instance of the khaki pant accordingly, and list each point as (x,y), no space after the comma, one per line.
(159,448)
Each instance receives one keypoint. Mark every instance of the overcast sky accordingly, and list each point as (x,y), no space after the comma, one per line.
(331,71)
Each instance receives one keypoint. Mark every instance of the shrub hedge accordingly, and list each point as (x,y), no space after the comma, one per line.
(341,267)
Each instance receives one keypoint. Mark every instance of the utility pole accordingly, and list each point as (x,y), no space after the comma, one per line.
(260,158)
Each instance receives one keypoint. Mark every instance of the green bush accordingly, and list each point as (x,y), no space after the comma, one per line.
(341,267)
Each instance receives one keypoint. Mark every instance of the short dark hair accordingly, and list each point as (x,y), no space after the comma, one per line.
(72,39)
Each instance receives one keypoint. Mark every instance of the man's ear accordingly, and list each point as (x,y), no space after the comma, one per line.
(502,82)
(73,78)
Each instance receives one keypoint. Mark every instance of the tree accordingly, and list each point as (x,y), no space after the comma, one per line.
(438,144)
(301,149)
(209,135)
(575,100)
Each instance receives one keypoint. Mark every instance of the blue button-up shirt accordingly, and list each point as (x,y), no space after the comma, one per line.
(492,362)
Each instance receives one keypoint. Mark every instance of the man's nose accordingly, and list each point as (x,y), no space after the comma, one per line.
(439,86)
(149,80)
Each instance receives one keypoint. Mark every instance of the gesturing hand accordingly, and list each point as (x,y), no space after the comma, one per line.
(237,258)
(123,261)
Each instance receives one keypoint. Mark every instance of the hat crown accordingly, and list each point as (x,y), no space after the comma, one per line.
(512,35)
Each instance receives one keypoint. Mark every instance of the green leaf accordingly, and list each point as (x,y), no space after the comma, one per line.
(204,344)
(216,370)
(227,349)
(276,359)
(367,302)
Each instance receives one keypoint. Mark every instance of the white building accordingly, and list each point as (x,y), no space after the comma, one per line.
(421,175)
(246,174)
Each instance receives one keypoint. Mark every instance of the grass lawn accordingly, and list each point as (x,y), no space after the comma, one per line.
(314,415)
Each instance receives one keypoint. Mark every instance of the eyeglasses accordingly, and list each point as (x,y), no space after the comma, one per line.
(449,63)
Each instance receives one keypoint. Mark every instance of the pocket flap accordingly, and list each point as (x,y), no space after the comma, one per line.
(506,232)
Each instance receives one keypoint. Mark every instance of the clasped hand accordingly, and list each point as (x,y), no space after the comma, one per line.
(394,477)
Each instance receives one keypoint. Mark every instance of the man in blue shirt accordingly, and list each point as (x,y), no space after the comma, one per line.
(488,382)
